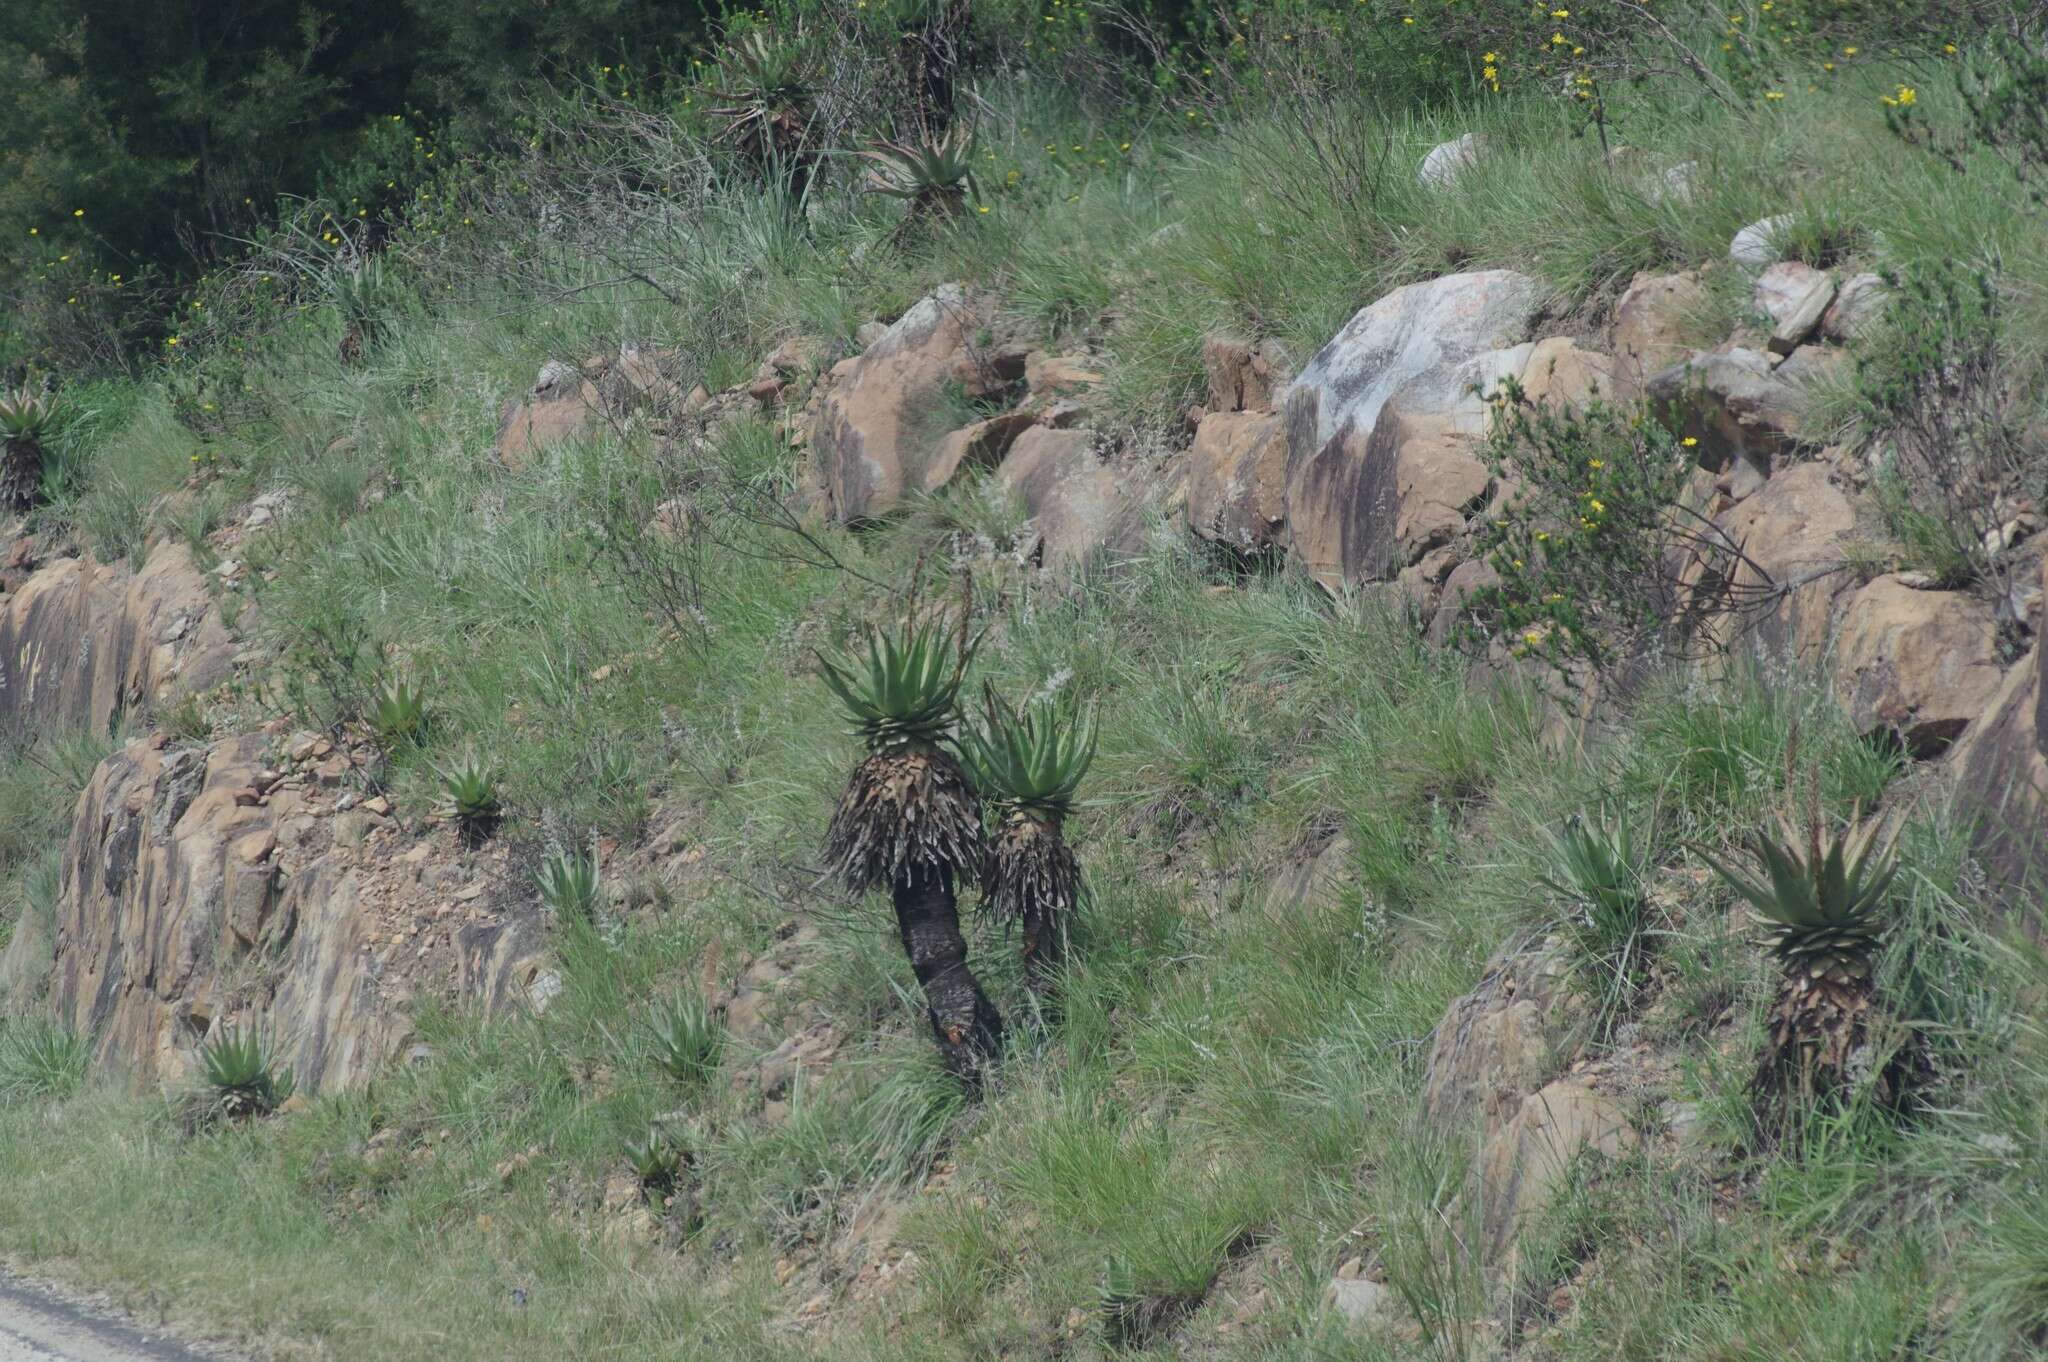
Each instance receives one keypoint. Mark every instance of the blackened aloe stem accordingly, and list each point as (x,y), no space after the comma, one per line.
(966,1025)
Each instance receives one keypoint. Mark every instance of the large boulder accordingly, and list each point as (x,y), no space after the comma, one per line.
(2000,768)
(1380,424)
(83,642)
(1082,505)
(1920,664)
(1237,480)
(201,889)
(879,428)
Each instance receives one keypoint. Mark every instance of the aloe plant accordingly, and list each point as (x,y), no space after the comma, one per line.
(1822,890)
(908,821)
(469,794)
(1029,764)
(568,884)
(934,176)
(399,713)
(26,417)
(242,1076)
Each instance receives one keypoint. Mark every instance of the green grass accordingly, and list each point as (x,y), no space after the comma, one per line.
(1225,1102)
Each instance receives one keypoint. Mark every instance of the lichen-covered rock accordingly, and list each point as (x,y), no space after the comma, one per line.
(1762,242)
(1379,423)
(1447,161)
(83,642)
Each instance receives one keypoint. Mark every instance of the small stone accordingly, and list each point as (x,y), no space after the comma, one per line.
(1757,245)
(301,747)
(1447,161)
(1358,1301)
(378,805)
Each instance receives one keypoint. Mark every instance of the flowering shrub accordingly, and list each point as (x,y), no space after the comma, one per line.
(1598,559)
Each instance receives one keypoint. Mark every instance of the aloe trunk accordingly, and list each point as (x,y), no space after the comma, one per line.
(21,474)
(966,1025)
(1044,948)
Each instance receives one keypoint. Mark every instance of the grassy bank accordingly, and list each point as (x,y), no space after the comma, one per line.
(1225,1111)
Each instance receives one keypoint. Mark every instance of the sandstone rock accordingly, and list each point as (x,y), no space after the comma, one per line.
(1735,404)
(2000,773)
(1760,243)
(174,912)
(1922,664)
(1857,310)
(1237,480)
(1243,375)
(1796,530)
(1522,1165)
(1047,377)
(1651,323)
(1446,161)
(561,404)
(1378,424)
(1557,372)
(981,445)
(82,642)
(1081,505)
(1794,295)
(873,439)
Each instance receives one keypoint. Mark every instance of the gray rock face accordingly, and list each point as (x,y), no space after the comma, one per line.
(1376,409)
(1857,310)
(1735,404)
(1083,506)
(1794,296)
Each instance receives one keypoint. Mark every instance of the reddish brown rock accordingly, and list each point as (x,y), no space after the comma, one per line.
(875,436)
(981,445)
(1651,326)
(1243,375)
(1921,664)
(1237,480)
(561,405)
(1795,533)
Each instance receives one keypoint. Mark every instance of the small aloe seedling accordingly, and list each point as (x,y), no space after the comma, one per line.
(241,1074)
(935,177)
(469,795)
(25,419)
(400,711)
(1598,871)
(687,1038)
(1029,764)
(658,1161)
(568,884)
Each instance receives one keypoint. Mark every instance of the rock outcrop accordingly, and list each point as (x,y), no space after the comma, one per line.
(879,429)
(2000,769)
(1918,664)
(84,642)
(1081,504)
(1379,423)
(202,888)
